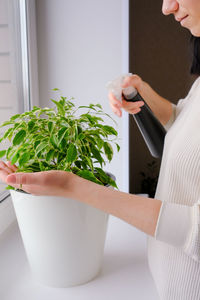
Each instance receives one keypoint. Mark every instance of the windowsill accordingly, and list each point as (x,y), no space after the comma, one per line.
(124,272)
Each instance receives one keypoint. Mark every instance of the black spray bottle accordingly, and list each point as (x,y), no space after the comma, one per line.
(150,127)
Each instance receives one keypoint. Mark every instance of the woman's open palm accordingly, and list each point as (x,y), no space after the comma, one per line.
(53,182)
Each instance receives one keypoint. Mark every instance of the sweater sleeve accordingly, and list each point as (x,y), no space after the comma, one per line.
(172,118)
(179,226)
(176,109)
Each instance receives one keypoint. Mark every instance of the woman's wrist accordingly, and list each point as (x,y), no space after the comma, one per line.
(75,187)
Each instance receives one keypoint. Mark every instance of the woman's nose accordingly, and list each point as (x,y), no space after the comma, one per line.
(169,6)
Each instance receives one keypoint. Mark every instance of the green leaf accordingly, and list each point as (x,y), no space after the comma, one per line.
(15,158)
(97,132)
(62,100)
(60,108)
(63,145)
(118,147)
(9,187)
(42,166)
(89,176)
(88,161)
(96,154)
(50,126)
(15,117)
(112,183)
(75,170)
(8,152)
(8,132)
(50,155)
(89,118)
(108,150)
(78,163)
(81,136)
(102,175)
(36,143)
(37,137)
(71,104)
(33,167)
(6,123)
(71,153)
(91,139)
(24,159)
(75,131)
(19,125)
(54,141)
(60,158)
(99,106)
(55,89)
(110,130)
(35,108)
(31,125)
(41,147)
(62,133)
(2,153)
(83,106)
(99,142)
(19,137)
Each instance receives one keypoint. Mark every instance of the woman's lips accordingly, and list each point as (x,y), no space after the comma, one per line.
(181,19)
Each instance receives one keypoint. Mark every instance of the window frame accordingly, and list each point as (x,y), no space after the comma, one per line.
(24,31)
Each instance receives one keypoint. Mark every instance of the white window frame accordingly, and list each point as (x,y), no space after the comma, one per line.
(23,13)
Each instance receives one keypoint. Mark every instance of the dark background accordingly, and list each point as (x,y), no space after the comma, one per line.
(160,54)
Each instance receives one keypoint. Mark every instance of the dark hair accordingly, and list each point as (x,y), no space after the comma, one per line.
(195,47)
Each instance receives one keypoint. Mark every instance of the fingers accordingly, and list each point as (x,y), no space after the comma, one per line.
(24,179)
(3,175)
(132,107)
(28,179)
(115,104)
(5,167)
(8,167)
(40,183)
(12,167)
(133,80)
(5,170)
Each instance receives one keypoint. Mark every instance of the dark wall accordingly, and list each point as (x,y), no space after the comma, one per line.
(159,53)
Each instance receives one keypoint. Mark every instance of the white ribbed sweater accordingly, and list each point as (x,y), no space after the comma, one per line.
(174,253)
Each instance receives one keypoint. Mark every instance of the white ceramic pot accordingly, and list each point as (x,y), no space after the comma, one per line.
(63,238)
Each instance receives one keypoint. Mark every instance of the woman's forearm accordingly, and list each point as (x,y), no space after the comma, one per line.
(141,212)
(161,107)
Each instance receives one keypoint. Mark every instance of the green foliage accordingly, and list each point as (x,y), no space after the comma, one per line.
(57,139)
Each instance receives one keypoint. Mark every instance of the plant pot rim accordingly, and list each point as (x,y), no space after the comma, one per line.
(111,175)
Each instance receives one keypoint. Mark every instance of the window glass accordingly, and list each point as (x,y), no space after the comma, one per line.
(10,76)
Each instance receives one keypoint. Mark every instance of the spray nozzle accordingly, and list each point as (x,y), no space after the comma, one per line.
(115,87)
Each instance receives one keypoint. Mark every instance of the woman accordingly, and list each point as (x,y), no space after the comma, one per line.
(171,219)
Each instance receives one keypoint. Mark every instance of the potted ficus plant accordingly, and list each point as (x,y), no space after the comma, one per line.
(64,239)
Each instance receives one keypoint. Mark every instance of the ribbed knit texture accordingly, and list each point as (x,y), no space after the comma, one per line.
(174,254)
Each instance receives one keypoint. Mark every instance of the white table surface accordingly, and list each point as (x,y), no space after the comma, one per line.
(124,276)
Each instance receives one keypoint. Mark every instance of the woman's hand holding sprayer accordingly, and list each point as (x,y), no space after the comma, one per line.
(161,107)
(130,107)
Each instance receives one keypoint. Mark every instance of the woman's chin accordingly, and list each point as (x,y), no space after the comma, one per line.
(195,32)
